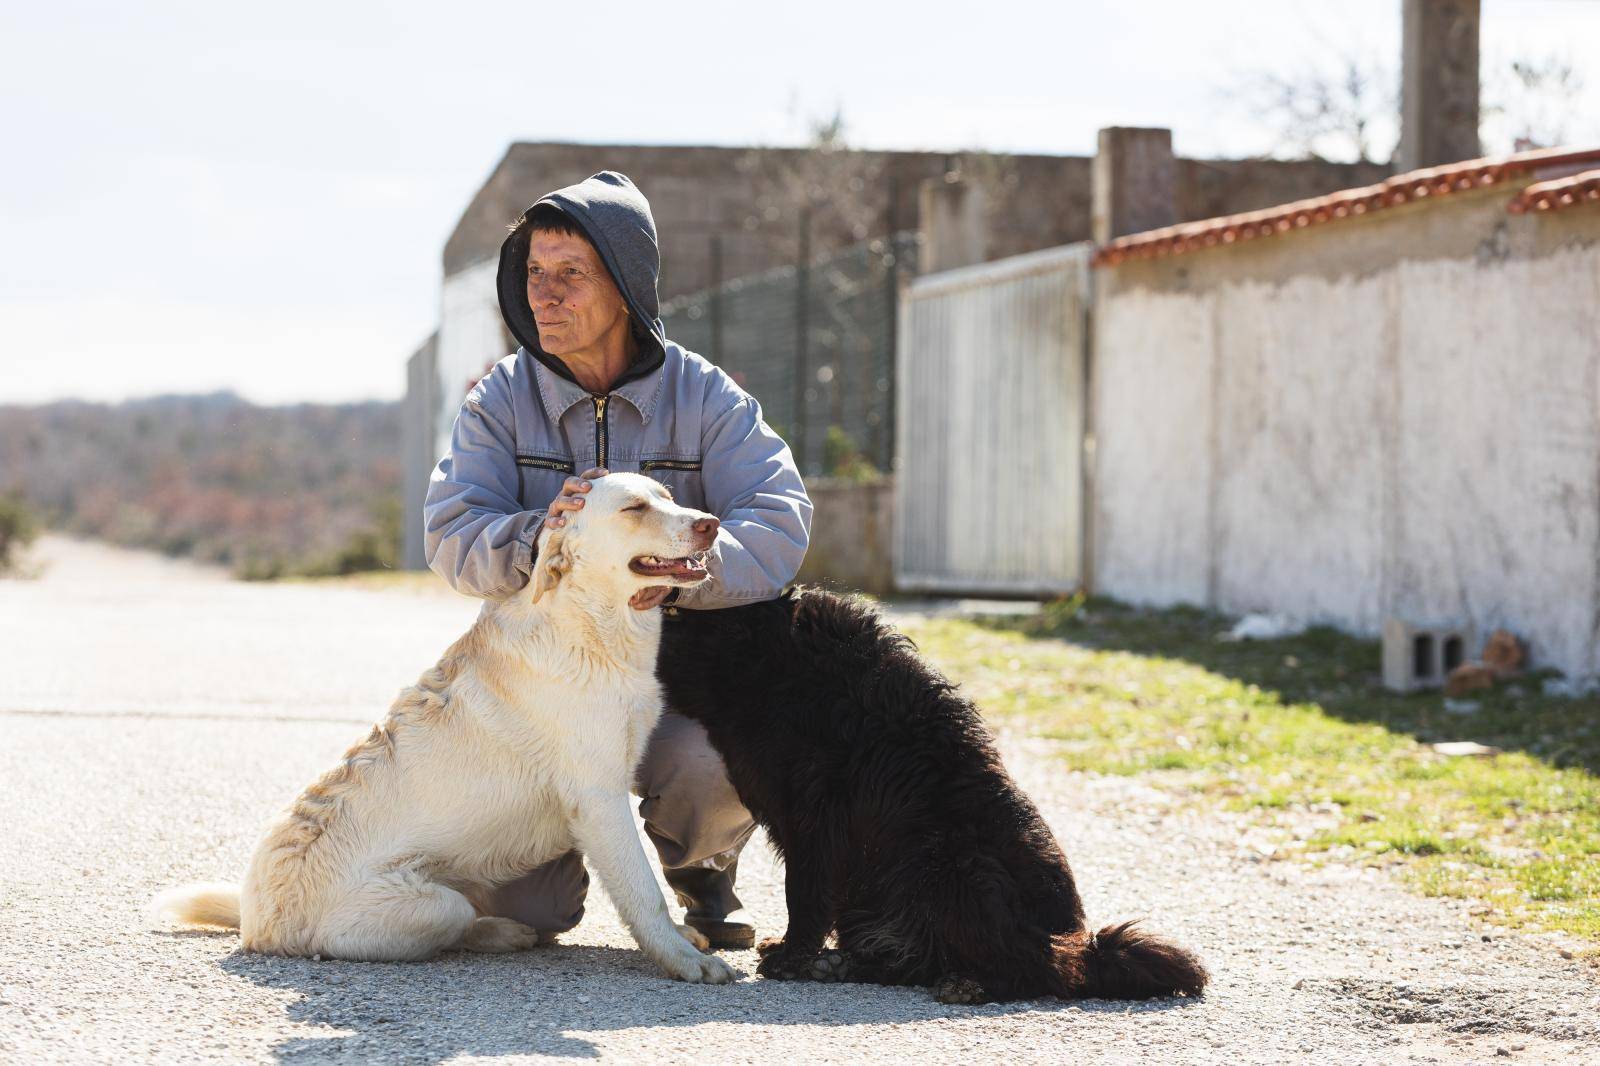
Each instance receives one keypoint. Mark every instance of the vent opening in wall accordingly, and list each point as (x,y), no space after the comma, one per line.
(1452,653)
(1422,656)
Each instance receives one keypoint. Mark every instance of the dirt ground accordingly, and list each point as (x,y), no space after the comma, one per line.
(154,714)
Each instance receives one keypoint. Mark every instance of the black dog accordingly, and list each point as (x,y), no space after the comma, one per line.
(898,826)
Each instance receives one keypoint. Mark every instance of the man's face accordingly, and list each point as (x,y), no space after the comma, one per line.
(575,303)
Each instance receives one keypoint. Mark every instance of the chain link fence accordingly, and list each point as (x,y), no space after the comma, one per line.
(814,344)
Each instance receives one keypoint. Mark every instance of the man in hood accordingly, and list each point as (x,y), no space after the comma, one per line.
(597,387)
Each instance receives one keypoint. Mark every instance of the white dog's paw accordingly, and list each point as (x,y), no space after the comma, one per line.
(713,971)
(498,935)
(695,937)
(702,970)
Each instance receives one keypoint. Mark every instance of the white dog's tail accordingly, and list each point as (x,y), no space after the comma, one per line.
(203,904)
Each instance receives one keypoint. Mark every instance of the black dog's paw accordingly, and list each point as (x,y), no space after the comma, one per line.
(960,990)
(780,965)
(830,966)
(781,962)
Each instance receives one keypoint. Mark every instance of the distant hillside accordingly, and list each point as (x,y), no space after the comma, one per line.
(312,488)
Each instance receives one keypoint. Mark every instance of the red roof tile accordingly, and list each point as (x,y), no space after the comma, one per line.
(1557,193)
(1351,203)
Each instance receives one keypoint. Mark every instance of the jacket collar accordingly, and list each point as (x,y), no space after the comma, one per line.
(560,395)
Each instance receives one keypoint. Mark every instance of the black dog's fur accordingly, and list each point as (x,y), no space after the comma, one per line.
(898,825)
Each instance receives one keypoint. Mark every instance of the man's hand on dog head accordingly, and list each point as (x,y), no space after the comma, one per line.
(571,499)
(571,496)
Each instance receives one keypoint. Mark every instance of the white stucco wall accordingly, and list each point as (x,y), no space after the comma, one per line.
(472,338)
(1499,449)
(1399,417)
(1152,482)
(1296,464)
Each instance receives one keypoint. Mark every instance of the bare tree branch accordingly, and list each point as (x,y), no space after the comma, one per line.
(1342,110)
(1349,109)
(1533,102)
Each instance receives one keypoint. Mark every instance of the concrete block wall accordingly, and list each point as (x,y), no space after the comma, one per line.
(850,535)
(748,197)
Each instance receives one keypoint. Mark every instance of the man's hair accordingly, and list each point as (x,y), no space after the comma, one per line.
(547,218)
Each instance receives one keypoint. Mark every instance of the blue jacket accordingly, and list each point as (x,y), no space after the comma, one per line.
(672,416)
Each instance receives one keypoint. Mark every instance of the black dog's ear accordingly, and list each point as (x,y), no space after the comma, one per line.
(551,565)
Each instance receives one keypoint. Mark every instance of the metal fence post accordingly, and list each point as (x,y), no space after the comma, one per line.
(802,286)
(884,453)
(716,298)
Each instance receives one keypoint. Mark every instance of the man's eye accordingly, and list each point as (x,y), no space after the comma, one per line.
(532,271)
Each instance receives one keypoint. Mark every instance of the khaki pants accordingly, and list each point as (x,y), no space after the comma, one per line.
(691,813)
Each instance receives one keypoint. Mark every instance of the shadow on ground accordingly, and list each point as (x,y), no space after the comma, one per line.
(537,1002)
(1337,672)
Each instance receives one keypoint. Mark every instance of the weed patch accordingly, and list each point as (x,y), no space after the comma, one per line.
(1300,732)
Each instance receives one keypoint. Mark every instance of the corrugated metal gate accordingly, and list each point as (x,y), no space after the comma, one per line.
(990,422)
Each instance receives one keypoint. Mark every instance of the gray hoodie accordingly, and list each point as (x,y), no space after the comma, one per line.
(673,416)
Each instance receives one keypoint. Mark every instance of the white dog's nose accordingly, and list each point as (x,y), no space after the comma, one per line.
(705,532)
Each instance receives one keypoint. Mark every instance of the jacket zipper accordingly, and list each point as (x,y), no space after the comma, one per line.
(600,429)
(545,462)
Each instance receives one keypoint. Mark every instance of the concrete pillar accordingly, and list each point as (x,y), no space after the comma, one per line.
(953,218)
(418,435)
(1438,84)
(1135,182)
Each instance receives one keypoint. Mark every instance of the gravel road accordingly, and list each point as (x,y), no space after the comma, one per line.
(153,715)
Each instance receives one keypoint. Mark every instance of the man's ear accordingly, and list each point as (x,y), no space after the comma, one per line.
(551,564)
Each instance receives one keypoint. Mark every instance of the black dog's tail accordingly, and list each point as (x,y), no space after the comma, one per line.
(1124,962)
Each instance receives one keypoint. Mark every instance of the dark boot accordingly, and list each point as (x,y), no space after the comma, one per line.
(710,905)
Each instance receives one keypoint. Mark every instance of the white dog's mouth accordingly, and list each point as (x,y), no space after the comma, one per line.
(686,568)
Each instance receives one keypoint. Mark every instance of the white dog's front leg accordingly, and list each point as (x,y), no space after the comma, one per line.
(604,830)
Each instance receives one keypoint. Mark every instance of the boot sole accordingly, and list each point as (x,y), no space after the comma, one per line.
(725,936)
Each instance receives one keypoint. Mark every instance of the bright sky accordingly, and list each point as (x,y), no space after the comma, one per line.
(211,195)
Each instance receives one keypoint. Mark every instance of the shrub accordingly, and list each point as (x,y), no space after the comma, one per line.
(18,528)
(842,459)
(375,547)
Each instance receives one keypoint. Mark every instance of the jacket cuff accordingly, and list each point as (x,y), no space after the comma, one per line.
(527,545)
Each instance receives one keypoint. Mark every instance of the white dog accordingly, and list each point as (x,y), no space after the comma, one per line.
(518,746)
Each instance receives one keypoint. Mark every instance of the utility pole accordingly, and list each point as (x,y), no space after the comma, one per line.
(1438,83)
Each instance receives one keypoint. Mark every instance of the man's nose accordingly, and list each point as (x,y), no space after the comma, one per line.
(705,532)
(543,292)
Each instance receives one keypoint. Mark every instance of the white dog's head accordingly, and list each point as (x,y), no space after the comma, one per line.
(629,535)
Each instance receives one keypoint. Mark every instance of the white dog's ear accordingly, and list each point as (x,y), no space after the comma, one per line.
(552,563)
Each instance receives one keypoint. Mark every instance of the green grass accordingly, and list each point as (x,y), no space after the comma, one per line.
(1299,733)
